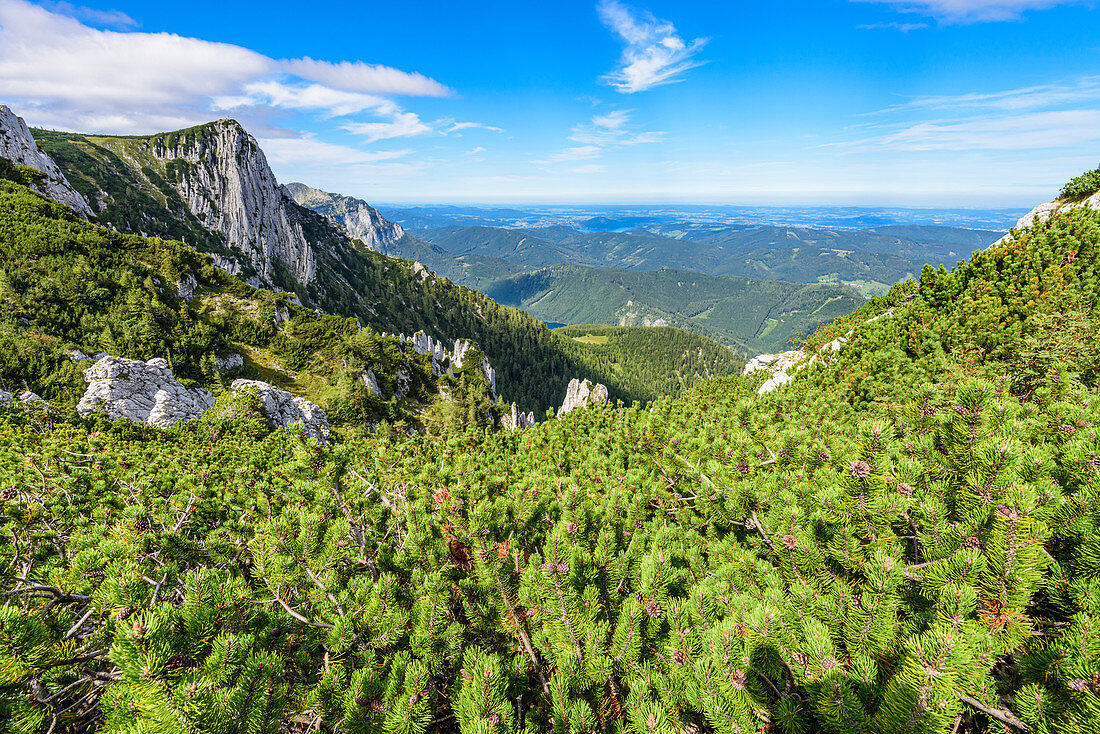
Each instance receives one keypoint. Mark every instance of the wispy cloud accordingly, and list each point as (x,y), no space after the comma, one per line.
(107,18)
(971,11)
(454,127)
(653,51)
(894,26)
(361,77)
(608,130)
(1033,131)
(1084,90)
(613,129)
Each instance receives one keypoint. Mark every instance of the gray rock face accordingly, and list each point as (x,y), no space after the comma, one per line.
(223,177)
(185,288)
(144,392)
(517,419)
(582,394)
(30,397)
(446,361)
(229,362)
(285,410)
(370,380)
(5,398)
(18,146)
(1043,211)
(360,219)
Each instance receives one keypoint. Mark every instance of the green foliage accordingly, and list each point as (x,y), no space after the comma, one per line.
(142,181)
(749,314)
(639,363)
(1081,187)
(906,540)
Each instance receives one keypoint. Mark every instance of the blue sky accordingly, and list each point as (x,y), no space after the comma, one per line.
(895,102)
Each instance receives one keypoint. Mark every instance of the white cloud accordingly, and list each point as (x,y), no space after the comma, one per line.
(653,52)
(589,168)
(613,129)
(1033,131)
(308,149)
(62,73)
(403,125)
(370,78)
(1036,131)
(972,11)
(331,102)
(578,153)
(894,26)
(460,126)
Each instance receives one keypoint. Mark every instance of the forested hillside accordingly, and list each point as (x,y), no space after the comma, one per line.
(748,314)
(903,539)
(643,363)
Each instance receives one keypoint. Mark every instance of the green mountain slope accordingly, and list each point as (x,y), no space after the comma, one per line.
(138,185)
(643,363)
(753,315)
(904,539)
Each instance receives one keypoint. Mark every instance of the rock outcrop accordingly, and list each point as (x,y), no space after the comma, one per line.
(229,362)
(5,398)
(223,177)
(357,217)
(446,361)
(18,146)
(582,394)
(285,410)
(1043,211)
(145,392)
(517,419)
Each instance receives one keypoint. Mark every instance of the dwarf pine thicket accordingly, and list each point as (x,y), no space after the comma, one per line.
(905,540)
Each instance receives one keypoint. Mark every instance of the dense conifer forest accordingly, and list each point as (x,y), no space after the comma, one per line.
(904,539)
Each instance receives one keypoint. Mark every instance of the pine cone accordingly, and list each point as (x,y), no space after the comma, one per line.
(572,529)
(679,657)
(494,719)
(905,490)
(800,658)
(362,701)
(95,573)
(142,525)
(8,493)
(738,679)
(743,467)
(653,609)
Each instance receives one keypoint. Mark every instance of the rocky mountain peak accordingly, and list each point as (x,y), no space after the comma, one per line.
(357,217)
(18,146)
(223,177)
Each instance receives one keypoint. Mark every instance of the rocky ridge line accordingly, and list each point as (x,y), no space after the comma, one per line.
(357,217)
(18,146)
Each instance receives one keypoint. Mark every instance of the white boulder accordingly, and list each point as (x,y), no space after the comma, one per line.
(144,392)
(582,394)
(284,410)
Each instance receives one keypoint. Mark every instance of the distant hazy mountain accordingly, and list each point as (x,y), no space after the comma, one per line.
(871,258)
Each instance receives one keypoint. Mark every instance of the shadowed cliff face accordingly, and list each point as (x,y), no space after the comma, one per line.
(18,146)
(357,217)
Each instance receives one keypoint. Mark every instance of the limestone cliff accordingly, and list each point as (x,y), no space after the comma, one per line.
(357,217)
(18,146)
